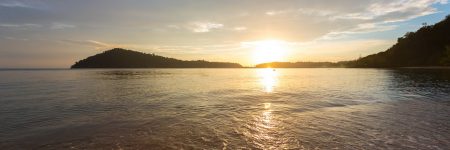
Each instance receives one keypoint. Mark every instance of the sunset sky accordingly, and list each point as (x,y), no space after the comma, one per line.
(56,33)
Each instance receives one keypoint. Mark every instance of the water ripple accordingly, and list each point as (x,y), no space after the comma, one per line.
(225,109)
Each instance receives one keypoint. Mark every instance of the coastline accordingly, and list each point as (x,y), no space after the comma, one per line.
(427,67)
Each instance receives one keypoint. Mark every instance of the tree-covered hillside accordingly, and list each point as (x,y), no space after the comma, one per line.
(428,46)
(121,58)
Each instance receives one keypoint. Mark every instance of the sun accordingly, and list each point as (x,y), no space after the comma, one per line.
(269,51)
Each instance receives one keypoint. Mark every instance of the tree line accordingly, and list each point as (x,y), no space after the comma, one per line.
(122,58)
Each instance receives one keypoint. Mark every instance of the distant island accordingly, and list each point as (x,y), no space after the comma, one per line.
(428,46)
(302,65)
(122,58)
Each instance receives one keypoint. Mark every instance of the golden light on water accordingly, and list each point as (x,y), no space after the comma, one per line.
(267,105)
(265,123)
(268,79)
(267,115)
(265,127)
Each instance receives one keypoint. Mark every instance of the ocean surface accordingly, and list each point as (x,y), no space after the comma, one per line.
(225,109)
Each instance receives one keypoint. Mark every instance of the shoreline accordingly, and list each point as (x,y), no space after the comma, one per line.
(427,67)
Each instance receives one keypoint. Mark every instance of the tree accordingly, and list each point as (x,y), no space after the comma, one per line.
(446,58)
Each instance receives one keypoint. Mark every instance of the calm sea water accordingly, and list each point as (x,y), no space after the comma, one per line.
(225,109)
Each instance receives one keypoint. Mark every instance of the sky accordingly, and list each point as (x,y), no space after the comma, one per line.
(57,33)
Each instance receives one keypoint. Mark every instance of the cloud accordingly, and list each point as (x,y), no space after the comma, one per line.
(174,26)
(93,43)
(240,28)
(393,11)
(272,13)
(25,26)
(359,29)
(28,4)
(337,50)
(13,4)
(98,44)
(14,38)
(151,23)
(57,25)
(214,48)
(343,20)
(197,27)
(298,20)
(376,16)
(304,11)
(202,27)
(20,26)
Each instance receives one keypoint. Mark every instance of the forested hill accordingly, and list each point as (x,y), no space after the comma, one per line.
(301,65)
(428,46)
(121,58)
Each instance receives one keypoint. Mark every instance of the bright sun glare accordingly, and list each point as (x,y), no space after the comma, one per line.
(269,51)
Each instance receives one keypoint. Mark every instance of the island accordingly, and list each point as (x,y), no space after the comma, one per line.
(122,58)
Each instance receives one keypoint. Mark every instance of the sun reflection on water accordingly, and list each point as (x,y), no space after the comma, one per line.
(264,127)
(267,105)
(268,78)
(267,115)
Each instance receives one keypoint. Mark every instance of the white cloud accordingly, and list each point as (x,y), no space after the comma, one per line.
(373,17)
(57,25)
(240,28)
(29,4)
(14,38)
(304,11)
(20,26)
(174,26)
(197,27)
(95,44)
(359,29)
(272,13)
(98,44)
(54,25)
(333,20)
(318,12)
(14,4)
(202,27)
(393,11)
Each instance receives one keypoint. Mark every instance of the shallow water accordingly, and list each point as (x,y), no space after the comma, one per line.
(225,109)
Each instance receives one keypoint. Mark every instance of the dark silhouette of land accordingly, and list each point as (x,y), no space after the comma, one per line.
(428,46)
(121,58)
(301,65)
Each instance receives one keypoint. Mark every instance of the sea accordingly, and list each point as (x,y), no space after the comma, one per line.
(310,108)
